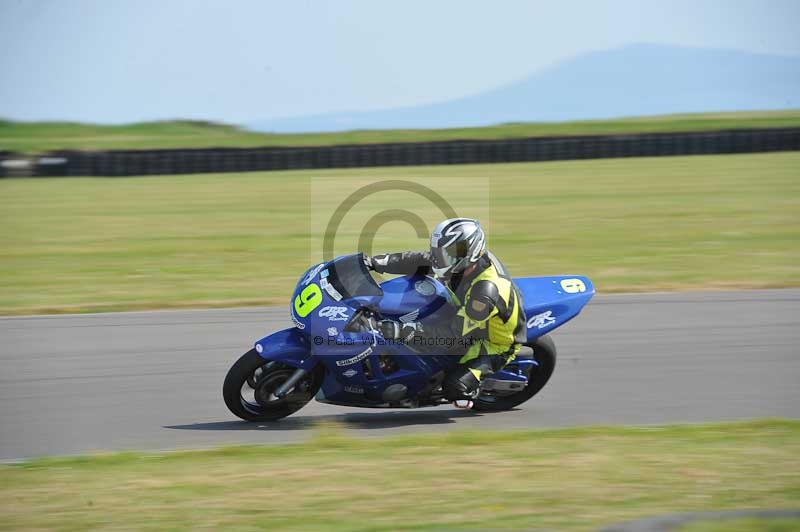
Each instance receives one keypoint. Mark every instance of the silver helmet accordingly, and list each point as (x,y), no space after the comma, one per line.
(455,243)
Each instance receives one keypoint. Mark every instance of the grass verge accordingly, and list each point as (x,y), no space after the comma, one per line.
(669,223)
(89,244)
(745,525)
(567,479)
(37,137)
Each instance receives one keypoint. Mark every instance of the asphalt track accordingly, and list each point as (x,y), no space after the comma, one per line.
(152,380)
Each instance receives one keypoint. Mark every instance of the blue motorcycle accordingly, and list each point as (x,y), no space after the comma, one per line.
(335,351)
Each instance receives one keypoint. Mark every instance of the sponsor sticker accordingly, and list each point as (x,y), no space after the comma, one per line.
(312,273)
(349,373)
(297,323)
(358,358)
(354,389)
(328,287)
(333,331)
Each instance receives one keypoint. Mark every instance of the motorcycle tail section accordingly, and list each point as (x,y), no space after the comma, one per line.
(550,302)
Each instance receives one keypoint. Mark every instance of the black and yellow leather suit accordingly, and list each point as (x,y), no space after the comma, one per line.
(488,314)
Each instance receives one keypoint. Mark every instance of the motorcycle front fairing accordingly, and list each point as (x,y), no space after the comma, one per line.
(289,346)
(326,299)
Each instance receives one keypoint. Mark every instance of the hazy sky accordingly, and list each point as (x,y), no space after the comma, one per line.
(236,61)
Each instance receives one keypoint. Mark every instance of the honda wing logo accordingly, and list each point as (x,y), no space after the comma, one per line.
(411,316)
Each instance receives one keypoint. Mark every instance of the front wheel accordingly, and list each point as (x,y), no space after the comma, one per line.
(544,352)
(251,382)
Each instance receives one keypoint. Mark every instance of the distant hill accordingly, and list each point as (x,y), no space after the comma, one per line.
(630,81)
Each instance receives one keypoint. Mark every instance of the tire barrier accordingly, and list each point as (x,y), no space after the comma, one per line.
(223,160)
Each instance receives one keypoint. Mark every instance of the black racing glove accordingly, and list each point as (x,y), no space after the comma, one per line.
(368,262)
(380,263)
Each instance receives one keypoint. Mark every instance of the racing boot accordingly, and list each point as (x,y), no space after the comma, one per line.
(461,386)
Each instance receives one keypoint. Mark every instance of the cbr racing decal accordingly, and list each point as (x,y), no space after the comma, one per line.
(541,320)
(334,313)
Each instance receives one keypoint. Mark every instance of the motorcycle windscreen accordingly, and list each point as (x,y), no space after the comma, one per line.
(351,278)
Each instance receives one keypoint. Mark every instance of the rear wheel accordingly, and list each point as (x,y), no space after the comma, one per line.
(543,350)
(251,382)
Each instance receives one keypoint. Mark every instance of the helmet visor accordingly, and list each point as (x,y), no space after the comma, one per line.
(445,258)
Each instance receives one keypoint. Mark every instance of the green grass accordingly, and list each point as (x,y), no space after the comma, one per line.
(37,137)
(574,479)
(676,223)
(745,525)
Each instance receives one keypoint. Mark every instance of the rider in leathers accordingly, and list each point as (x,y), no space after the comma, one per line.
(489,312)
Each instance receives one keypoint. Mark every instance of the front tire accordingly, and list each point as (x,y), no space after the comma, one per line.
(544,352)
(250,383)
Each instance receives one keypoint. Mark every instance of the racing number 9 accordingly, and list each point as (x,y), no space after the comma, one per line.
(573,286)
(307,300)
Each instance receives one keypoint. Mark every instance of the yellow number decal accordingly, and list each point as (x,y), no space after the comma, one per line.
(573,286)
(308,300)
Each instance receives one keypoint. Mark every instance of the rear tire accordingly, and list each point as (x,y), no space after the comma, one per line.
(544,352)
(251,380)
